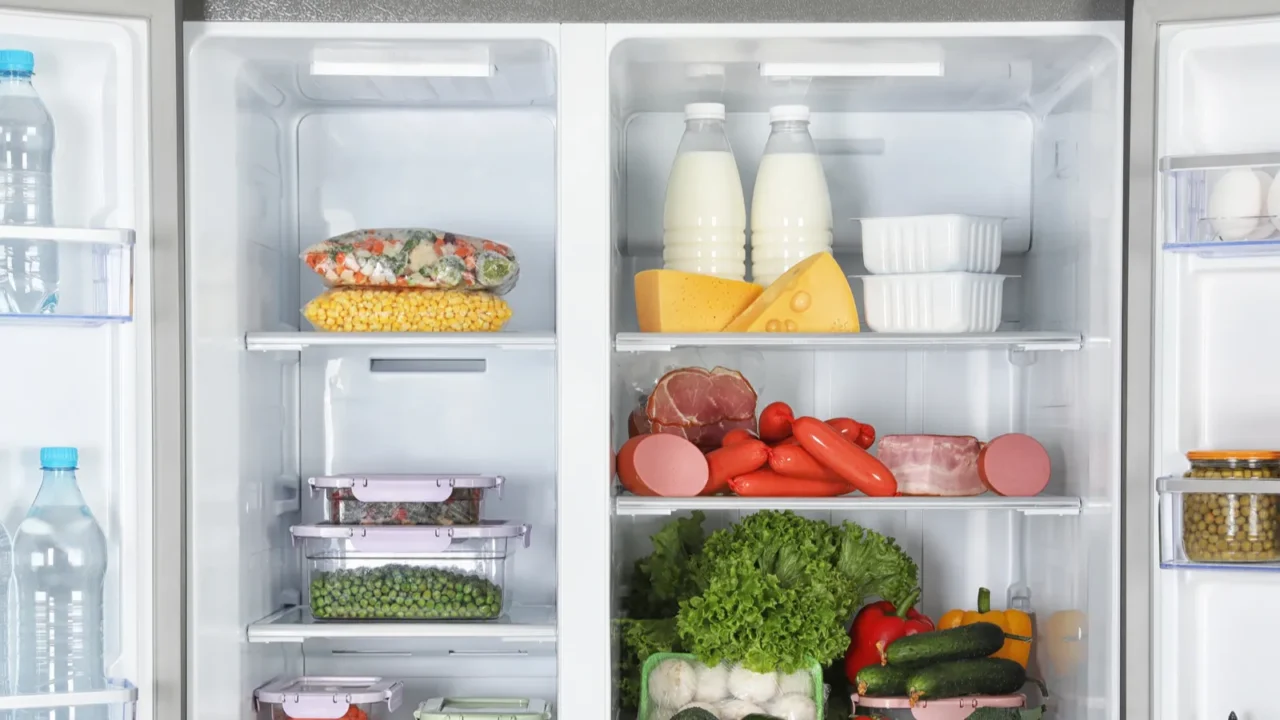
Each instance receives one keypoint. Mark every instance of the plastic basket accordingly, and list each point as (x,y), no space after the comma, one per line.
(815,671)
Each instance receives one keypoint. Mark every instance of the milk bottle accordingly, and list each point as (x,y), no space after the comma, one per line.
(705,218)
(791,207)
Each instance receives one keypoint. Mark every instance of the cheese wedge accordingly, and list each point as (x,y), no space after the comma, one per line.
(811,297)
(671,301)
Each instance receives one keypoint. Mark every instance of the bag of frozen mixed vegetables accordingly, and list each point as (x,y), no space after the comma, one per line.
(416,258)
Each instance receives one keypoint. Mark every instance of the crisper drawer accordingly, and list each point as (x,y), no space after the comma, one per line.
(408,573)
(328,698)
(403,499)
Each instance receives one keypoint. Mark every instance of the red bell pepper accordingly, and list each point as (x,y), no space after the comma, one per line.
(876,626)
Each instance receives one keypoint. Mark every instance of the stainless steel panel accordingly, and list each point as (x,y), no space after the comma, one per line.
(653,10)
(168,442)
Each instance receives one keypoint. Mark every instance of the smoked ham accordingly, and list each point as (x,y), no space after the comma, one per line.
(939,465)
(699,405)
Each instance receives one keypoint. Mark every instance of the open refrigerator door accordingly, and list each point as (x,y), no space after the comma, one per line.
(91,326)
(1201,494)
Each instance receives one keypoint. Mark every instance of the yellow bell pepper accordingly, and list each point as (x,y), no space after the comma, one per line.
(1015,623)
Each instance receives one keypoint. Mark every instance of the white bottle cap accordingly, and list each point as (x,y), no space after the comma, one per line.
(782,113)
(704,111)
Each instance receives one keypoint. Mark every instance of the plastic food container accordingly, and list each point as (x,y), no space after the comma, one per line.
(328,698)
(483,709)
(1231,527)
(954,302)
(806,682)
(403,499)
(931,244)
(899,708)
(423,572)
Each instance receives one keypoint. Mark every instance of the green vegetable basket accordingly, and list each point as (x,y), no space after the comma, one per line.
(815,671)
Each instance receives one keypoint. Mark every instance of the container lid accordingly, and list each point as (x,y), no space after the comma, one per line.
(328,697)
(783,113)
(406,488)
(704,111)
(410,538)
(487,708)
(21,61)
(59,458)
(1195,455)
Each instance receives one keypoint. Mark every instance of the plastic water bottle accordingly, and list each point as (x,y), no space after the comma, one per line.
(60,560)
(28,270)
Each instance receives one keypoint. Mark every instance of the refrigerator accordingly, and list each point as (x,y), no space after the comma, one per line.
(224,149)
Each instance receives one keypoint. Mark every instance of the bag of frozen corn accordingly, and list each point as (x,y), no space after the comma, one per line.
(416,258)
(352,309)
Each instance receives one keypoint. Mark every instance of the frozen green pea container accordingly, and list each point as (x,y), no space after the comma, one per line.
(483,709)
(420,572)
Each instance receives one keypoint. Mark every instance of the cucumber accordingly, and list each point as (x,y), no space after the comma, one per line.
(981,676)
(883,681)
(970,641)
(991,713)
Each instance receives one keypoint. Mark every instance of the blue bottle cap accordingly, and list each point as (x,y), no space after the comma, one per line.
(59,458)
(20,61)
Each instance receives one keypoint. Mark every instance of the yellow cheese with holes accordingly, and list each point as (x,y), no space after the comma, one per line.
(811,297)
(671,301)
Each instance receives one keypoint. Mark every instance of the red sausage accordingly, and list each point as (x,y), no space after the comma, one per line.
(864,436)
(662,465)
(775,422)
(767,483)
(737,436)
(849,461)
(732,461)
(794,461)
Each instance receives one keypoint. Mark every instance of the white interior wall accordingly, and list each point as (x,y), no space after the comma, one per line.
(91,387)
(1207,396)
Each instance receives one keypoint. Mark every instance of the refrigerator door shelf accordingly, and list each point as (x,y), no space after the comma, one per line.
(118,693)
(92,278)
(1219,524)
(1222,204)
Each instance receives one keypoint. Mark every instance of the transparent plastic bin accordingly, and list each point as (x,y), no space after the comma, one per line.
(68,275)
(483,709)
(1228,523)
(931,244)
(900,708)
(403,499)
(422,572)
(328,698)
(1222,204)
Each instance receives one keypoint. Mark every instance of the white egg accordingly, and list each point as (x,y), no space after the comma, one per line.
(1266,228)
(1235,204)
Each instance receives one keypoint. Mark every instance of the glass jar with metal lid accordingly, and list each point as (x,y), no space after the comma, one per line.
(1231,527)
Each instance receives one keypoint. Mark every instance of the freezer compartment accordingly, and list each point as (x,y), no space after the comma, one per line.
(403,499)
(328,698)
(1231,523)
(1222,204)
(421,573)
(69,275)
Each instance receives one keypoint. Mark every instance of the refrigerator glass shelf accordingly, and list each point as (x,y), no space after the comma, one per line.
(627,504)
(1228,524)
(65,276)
(1017,340)
(520,623)
(120,694)
(291,341)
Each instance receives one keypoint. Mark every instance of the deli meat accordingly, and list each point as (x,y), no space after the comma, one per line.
(942,465)
(699,405)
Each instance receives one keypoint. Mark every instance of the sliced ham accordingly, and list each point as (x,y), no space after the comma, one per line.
(699,405)
(940,465)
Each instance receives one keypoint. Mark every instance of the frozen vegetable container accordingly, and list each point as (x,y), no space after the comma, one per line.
(930,244)
(423,572)
(483,709)
(403,499)
(901,708)
(952,302)
(328,698)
